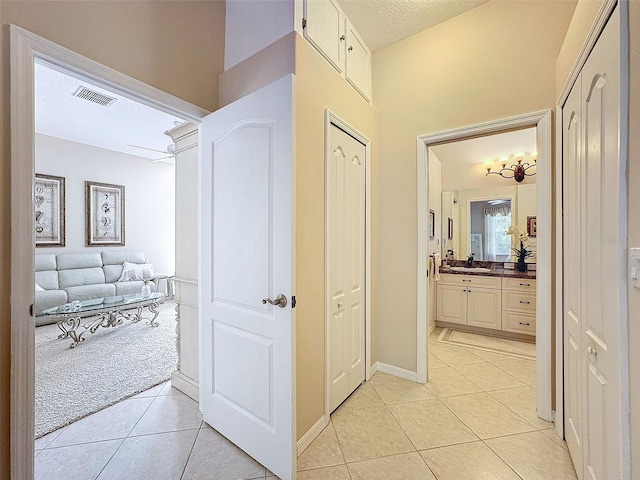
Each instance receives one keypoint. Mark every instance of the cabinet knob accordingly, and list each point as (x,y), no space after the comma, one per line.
(592,351)
(350,49)
(342,38)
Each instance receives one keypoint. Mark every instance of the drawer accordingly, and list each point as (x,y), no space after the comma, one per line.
(519,301)
(519,284)
(519,323)
(476,280)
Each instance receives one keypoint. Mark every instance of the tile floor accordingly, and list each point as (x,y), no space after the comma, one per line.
(475,419)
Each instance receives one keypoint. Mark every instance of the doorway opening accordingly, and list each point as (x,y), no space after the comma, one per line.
(541,121)
(26,50)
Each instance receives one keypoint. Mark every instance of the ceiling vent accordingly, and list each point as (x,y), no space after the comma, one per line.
(93,96)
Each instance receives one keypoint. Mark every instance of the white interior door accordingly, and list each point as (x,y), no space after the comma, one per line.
(247,351)
(346,191)
(573,261)
(595,286)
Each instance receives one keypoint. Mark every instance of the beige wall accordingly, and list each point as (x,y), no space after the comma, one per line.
(583,17)
(319,87)
(634,233)
(495,61)
(175,46)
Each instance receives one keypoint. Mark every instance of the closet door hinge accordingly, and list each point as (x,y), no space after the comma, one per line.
(304,23)
(293,301)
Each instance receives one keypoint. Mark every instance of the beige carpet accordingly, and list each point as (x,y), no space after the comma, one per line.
(504,346)
(109,366)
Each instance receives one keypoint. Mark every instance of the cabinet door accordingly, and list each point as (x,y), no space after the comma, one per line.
(484,308)
(324,29)
(451,304)
(358,63)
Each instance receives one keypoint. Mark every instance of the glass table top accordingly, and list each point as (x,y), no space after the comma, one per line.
(94,304)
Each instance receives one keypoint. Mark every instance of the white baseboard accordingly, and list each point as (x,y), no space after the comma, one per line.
(373,369)
(432,327)
(396,371)
(186,385)
(308,438)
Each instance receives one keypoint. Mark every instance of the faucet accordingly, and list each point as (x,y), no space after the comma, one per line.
(469,261)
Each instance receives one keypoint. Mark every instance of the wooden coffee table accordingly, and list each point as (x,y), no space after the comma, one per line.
(80,317)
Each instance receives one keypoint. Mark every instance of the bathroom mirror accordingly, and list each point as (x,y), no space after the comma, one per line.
(474,220)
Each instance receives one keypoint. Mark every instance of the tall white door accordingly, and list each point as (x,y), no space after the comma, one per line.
(247,351)
(594,262)
(346,193)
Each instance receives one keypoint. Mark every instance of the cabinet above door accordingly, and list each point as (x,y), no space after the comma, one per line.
(328,29)
(324,28)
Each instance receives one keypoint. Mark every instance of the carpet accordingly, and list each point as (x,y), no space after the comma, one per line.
(487,343)
(109,366)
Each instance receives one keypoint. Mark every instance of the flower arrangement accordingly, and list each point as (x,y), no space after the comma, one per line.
(519,237)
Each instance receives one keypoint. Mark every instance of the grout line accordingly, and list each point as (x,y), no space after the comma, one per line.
(191,452)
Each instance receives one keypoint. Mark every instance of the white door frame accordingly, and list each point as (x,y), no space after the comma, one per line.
(542,121)
(332,119)
(25,49)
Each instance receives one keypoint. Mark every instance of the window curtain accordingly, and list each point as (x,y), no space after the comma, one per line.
(490,238)
(490,224)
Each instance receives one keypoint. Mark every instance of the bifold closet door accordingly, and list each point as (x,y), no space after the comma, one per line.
(594,267)
(346,250)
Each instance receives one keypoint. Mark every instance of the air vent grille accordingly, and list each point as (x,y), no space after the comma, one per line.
(93,96)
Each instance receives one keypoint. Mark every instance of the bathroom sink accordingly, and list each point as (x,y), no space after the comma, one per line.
(471,269)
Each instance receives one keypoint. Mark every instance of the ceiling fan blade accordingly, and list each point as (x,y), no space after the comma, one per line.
(146,148)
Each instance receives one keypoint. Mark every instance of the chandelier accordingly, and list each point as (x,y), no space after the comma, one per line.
(520,166)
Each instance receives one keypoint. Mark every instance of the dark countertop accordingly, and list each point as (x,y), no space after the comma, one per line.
(495,272)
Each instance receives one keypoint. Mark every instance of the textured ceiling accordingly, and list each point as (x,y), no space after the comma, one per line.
(381,23)
(62,115)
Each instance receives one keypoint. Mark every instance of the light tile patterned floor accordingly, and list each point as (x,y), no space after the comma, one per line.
(474,419)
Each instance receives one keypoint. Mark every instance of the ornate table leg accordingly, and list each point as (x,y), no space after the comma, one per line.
(69,326)
(153,308)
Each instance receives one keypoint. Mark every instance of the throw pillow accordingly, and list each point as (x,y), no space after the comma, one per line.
(39,288)
(136,271)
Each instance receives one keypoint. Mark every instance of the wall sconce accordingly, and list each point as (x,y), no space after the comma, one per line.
(519,166)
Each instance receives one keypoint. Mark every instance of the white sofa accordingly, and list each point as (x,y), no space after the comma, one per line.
(81,276)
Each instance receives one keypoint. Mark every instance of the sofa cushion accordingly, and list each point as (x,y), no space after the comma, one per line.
(45,261)
(85,292)
(125,288)
(80,276)
(68,261)
(48,279)
(49,298)
(118,258)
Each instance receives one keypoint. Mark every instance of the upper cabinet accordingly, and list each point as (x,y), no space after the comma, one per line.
(358,64)
(324,28)
(327,28)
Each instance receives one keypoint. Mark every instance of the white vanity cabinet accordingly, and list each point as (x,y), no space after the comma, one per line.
(496,303)
(328,29)
(519,305)
(469,300)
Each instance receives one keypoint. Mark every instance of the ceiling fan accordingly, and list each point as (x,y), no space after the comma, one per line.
(169,152)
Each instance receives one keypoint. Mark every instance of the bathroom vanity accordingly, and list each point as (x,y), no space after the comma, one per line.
(496,299)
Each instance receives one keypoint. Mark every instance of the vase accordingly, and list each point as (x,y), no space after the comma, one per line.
(521,266)
(146,290)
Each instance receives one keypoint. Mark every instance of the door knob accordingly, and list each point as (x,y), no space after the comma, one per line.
(280,301)
(592,351)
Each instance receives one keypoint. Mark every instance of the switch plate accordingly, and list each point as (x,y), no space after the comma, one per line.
(634,266)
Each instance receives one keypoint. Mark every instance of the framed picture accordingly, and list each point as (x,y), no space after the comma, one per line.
(105,214)
(432,224)
(532,227)
(450,228)
(48,203)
